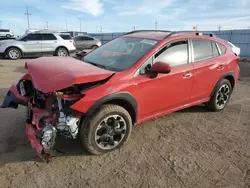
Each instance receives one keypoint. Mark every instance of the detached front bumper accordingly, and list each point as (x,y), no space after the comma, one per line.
(14,98)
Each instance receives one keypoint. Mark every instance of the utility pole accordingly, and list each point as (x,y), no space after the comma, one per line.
(1,24)
(134,28)
(80,23)
(156,24)
(47,24)
(66,24)
(101,29)
(219,27)
(28,17)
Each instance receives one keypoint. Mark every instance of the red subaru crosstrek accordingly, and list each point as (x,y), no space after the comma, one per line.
(133,78)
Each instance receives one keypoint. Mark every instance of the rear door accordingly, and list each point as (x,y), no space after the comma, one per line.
(87,42)
(49,43)
(206,62)
(32,43)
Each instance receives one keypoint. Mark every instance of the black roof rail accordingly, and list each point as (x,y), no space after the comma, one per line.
(195,32)
(137,31)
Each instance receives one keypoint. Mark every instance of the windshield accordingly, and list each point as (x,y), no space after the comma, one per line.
(120,53)
(21,37)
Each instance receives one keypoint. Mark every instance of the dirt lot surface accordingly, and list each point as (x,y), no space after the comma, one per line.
(190,148)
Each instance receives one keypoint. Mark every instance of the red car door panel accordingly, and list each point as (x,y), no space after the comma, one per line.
(207,72)
(165,92)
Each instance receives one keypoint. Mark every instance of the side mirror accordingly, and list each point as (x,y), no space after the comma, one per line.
(159,68)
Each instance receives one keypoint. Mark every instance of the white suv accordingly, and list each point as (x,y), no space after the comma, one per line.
(6,33)
(38,44)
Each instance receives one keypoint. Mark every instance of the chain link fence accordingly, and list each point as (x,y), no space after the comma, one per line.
(240,38)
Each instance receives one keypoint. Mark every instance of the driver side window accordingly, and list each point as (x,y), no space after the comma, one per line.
(175,54)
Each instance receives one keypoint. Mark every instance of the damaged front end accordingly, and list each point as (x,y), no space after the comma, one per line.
(48,114)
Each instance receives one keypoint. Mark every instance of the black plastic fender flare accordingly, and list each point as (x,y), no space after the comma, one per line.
(124,96)
(223,77)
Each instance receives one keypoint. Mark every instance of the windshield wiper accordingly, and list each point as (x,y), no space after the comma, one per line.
(97,65)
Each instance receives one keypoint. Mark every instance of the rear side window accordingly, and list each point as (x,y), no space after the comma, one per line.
(48,37)
(66,37)
(222,48)
(87,38)
(175,54)
(202,49)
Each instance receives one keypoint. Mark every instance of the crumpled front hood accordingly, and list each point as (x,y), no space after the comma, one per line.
(55,73)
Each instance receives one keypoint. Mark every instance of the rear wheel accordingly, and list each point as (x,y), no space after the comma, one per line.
(94,47)
(107,130)
(221,96)
(14,53)
(62,52)
(8,36)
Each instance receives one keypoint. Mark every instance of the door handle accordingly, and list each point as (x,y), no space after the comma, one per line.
(187,75)
(220,67)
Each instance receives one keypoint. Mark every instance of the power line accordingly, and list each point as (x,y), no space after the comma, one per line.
(219,27)
(66,24)
(28,17)
(80,23)
(156,25)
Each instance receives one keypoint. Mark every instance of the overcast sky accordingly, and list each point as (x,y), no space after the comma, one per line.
(122,15)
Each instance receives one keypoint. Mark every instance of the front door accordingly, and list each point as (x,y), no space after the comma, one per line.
(32,44)
(166,92)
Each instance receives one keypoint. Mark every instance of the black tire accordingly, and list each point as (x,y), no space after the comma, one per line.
(61,51)
(8,36)
(94,47)
(214,104)
(91,124)
(14,53)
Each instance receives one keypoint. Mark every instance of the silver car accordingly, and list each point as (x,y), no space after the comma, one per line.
(38,44)
(86,42)
(6,33)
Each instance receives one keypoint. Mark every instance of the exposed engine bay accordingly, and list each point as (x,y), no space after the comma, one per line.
(49,115)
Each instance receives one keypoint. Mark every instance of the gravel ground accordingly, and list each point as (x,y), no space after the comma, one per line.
(190,148)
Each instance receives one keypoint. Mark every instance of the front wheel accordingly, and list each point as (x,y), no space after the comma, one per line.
(221,96)
(62,52)
(107,130)
(14,53)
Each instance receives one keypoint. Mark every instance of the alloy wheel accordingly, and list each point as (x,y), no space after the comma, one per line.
(222,96)
(110,132)
(14,54)
(62,52)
